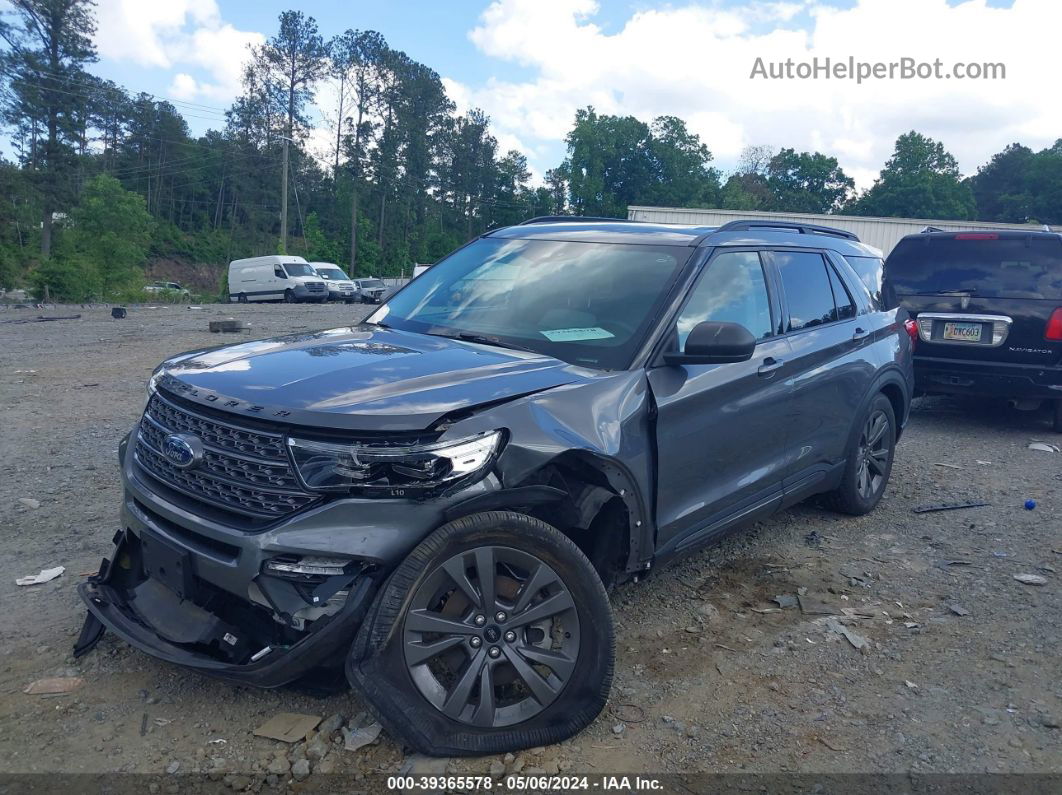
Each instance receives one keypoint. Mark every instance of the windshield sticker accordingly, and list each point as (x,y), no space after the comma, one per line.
(576,334)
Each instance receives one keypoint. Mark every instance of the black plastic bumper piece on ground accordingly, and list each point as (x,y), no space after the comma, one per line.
(91,632)
(327,645)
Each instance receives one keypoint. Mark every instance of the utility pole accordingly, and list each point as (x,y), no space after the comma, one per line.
(284,202)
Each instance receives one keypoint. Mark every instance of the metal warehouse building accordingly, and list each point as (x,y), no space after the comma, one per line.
(883,233)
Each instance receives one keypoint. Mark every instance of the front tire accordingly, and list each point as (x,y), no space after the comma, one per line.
(1056,422)
(493,635)
(869,461)
(289,297)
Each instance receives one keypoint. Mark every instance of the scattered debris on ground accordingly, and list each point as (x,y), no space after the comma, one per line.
(54,685)
(45,575)
(1030,579)
(948,506)
(1044,447)
(288,727)
(229,326)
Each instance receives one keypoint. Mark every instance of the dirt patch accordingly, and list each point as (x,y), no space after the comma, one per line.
(711,674)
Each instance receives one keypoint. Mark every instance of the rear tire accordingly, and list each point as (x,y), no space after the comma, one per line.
(1056,422)
(869,461)
(449,683)
(241,298)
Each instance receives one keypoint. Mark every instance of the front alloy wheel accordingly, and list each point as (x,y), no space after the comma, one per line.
(493,635)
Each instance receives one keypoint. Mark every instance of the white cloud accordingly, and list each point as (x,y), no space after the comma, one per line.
(694,61)
(177,33)
(184,86)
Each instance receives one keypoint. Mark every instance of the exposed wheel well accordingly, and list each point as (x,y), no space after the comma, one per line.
(593,515)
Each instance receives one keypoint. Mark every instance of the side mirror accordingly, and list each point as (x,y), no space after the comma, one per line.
(713,342)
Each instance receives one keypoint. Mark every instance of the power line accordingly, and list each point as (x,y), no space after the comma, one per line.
(131,93)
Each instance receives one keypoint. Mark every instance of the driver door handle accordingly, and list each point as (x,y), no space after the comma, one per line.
(770,364)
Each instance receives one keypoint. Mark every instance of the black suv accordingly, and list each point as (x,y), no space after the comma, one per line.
(989,312)
(437,498)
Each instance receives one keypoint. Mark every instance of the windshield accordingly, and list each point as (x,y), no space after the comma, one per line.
(299,269)
(994,266)
(584,303)
(332,274)
(371,283)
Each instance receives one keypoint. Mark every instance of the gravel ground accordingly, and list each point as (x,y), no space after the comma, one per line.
(958,669)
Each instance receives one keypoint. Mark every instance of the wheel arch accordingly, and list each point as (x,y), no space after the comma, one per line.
(892,384)
(590,498)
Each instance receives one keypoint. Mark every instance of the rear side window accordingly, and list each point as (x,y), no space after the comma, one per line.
(806,281)
(871,271)
(1018,266)
(841,299)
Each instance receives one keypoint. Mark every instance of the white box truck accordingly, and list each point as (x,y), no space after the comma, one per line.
(275,278)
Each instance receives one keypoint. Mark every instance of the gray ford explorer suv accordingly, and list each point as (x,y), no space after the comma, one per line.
(435,500)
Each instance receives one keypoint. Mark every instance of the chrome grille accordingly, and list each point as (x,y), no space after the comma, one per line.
(242,470)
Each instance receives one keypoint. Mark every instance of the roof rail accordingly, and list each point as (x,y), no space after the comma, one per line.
(549,219)
(804,229)
(928,229)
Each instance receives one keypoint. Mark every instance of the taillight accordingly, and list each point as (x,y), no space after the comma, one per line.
(912,332)
(1054,326)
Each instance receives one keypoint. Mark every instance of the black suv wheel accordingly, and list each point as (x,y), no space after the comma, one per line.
(494,634)
(869,461)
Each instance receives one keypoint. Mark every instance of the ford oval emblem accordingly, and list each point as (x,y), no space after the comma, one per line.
(182,450)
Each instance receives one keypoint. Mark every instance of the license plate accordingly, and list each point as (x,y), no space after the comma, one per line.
(169,564)
(962,332)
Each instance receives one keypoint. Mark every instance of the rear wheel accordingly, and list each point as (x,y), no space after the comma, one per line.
(495,634)
(1056,422)
(869,464)
(241,298)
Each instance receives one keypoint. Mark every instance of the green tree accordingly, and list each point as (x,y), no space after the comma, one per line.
(1044,185)
(109,235)
(1001,186)
(920,180)
(609,164)
(746,191)
(291,62)
(804,182)
(682,174)
(614,162)
(357,58)
(319,246)
(48,44)
(512,202)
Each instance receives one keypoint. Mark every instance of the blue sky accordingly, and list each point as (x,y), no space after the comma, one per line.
(531,63)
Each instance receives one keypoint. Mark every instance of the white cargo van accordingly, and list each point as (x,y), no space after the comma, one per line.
(275,278)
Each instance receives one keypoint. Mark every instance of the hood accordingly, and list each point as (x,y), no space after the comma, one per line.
(362,378)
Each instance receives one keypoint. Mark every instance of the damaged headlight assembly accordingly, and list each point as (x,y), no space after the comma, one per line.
(392,471)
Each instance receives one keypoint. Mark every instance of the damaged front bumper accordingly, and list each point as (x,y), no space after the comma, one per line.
(240,604)
(151,616)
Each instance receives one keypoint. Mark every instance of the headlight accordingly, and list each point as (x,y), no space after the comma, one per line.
(152,383)
(392,471)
